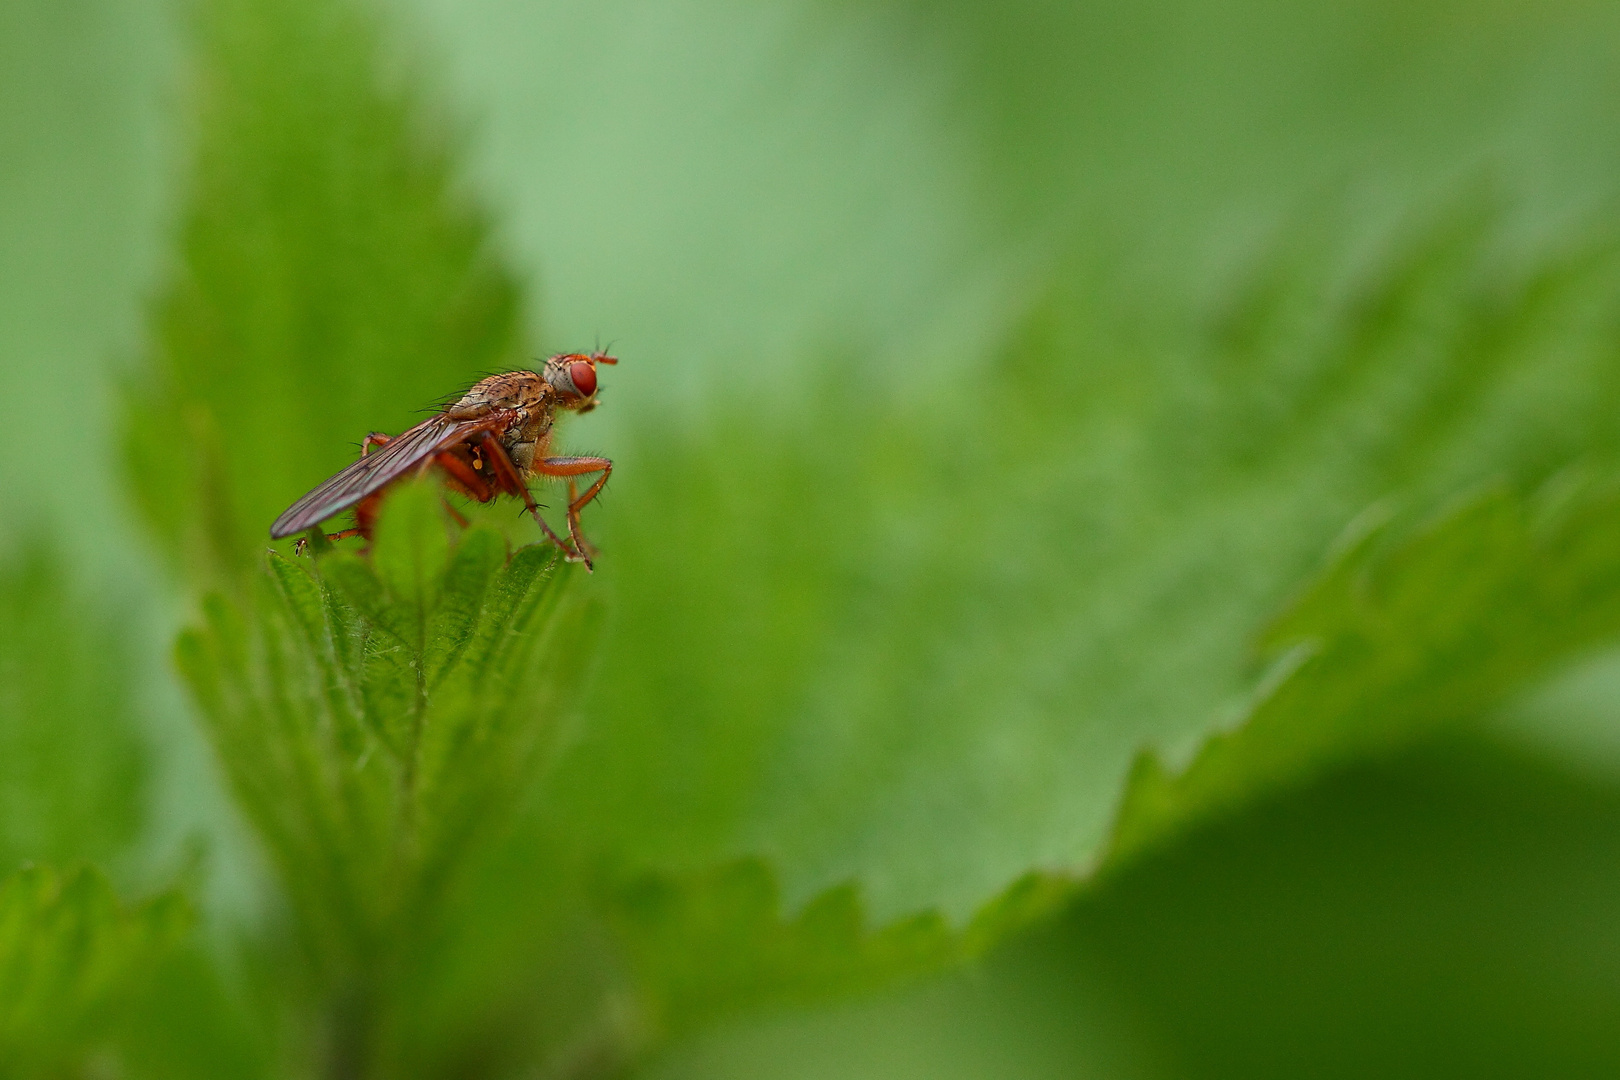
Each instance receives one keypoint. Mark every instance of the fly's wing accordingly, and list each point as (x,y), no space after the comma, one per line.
(373,471)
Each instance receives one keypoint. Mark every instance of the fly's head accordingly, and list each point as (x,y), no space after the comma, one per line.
(572,376)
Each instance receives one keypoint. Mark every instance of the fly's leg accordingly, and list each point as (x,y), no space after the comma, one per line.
(456,515)
(463,476)
(375,438)
(366,512)
(365,516)
(511,482)
(573,522)
(572,467)
(301,545)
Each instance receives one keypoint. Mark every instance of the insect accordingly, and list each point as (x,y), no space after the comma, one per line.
(486,444)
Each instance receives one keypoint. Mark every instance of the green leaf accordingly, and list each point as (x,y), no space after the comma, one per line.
(73,760)
(1399,639)
(1447,912)
(1406,632)
(69,952)
(409,556)
(718,943)
(1401,636)
(381,721)
(930,669)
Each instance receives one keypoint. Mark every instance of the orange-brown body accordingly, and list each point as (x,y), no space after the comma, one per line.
(486,444)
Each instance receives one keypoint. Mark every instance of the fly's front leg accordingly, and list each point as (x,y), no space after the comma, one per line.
(511,482)
(572,467)
(376,438)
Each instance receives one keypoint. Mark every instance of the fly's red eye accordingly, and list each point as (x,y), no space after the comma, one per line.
(583,376)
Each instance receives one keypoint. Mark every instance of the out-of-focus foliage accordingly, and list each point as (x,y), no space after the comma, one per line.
(1043,431)
(1391,644)
(1448,913)
(330,279)
(929,668)
(1034,1011)
(81,185)
(72,759)
(714,944)
(70,953)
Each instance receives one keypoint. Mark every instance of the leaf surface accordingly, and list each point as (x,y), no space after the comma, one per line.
(932,675)
(69,952)
(381,720)
(73,759)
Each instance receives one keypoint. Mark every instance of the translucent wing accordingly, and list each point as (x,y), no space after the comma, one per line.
(375,470)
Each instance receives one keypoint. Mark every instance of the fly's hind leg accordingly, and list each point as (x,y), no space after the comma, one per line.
(373,439)
(465,477)
(301,545)
(511,482)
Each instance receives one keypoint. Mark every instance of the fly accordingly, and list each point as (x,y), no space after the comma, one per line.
(487,444)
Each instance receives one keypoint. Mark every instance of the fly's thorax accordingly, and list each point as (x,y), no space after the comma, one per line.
(523,391)
(521,439)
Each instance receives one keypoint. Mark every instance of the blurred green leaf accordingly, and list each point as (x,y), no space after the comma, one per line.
(1449,912)
(190,1017)
(82,193)
(68,952)
(1398,639)
(73,759)
(1034,1010)
(719,943)
(930,634)
(1401,636)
